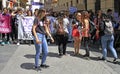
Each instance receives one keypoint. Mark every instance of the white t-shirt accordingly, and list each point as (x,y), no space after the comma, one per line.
(65,23)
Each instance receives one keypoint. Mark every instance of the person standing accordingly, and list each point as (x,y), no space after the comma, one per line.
(7,26)
(39,30)
(61,36)
(18,25)
(85,32)
(76,32)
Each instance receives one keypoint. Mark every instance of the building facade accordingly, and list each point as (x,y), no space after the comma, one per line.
(18,3)
(58,5)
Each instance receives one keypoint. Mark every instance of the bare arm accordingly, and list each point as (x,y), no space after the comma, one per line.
(35,34)
(48,33)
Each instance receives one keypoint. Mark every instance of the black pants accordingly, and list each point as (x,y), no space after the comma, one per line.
(86,43)
(3,37)
(62,43)
(14,33)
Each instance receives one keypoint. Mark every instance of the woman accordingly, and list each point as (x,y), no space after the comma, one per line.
(47,22)
(97,23)
(85,32)
(6,29)
(39,30)
(62,36)
(29,13)
(76,32)
(35,12)
(107,39)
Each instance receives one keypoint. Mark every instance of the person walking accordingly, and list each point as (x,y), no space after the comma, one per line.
(107,37)
(39,30)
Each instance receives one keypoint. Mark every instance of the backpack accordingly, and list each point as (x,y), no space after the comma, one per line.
(60,29)
(92,29)
(106,28)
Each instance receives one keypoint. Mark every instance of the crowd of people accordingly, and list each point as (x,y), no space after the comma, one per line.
(61,27)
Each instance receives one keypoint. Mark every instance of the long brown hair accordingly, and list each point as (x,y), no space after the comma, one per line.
(39,14)
(85,15)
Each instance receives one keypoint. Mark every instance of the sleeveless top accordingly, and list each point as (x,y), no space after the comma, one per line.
(85,33)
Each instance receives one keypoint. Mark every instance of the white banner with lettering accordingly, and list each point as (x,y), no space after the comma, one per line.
(27,23)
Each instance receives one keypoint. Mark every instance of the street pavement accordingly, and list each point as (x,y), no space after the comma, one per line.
(6,53)
(20,60)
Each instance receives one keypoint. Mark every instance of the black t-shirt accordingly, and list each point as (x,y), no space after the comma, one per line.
(40,26)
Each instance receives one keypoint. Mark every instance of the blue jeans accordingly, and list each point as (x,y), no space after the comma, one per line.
(108,41)
(38,47)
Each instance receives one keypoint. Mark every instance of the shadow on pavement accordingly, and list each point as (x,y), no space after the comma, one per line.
(95,48)
(113,62)
(52,54)
(29,56)
(28,66)
(82,56)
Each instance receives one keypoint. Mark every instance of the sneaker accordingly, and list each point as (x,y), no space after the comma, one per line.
(18,43)
(85,55)
(115,60)
(44,66)
(49,43)
(7,42)
(100,48)
(60,55)
(37,68)
(3,43)
(66,54)
(103,59)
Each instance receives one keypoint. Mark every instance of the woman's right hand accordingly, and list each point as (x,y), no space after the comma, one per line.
(37,41)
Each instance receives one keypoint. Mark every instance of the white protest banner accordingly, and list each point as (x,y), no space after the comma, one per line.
(27,23)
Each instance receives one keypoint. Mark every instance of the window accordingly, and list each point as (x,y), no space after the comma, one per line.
(67,4)
(117,6)
(64,4)
(71,4)
(77,1)
(97,5)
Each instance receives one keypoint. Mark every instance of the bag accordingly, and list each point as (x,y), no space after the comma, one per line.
(92,29)
(106,28)
(60,30)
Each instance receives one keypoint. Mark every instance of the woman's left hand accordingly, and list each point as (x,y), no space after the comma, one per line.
(52,40)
